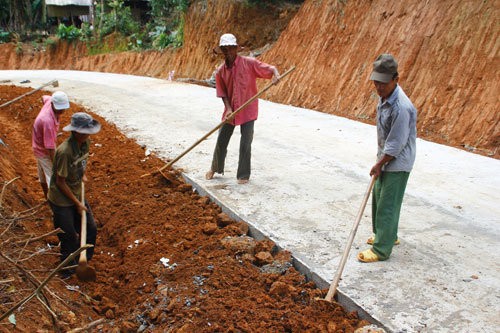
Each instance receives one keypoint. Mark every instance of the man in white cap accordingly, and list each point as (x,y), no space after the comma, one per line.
(236,84)
(44,134)
(396,133)
(70,162)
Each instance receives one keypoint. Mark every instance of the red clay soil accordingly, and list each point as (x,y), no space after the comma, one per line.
(212,278)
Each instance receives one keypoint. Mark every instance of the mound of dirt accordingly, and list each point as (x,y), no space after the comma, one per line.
(167,259)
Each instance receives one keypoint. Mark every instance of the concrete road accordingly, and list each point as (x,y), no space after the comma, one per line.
(309,174)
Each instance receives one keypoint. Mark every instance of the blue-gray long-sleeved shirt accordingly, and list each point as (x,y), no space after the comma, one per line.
(397,131)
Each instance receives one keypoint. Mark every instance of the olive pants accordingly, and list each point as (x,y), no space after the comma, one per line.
(220,152)
(387,199)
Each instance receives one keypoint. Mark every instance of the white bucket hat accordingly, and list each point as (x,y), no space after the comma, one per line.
(83,123)
(60,100)
(228,40)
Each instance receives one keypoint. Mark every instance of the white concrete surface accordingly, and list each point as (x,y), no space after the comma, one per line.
(309,173)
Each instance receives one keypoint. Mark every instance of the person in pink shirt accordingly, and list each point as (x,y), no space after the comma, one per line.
(44,135)
(236,84)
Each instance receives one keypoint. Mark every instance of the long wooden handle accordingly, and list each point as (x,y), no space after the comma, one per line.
(338,274)
(83,229)
(234,113)
(29,93)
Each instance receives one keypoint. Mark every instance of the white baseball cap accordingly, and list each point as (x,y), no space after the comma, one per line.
(60,100)
(228,40)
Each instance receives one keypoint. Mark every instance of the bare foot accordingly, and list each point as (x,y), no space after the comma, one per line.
(242,181)
(209,175)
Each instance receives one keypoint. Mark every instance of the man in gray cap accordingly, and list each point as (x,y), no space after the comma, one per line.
(396,134)
(65,190)
(235,84)
(44,135)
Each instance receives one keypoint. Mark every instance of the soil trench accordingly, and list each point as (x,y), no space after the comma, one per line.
(167,259)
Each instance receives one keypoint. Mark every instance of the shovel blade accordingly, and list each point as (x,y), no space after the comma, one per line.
(85,273)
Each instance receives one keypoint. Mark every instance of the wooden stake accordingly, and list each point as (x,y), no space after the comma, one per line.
(54,83)
(336,280)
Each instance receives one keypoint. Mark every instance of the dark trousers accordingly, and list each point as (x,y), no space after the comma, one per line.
(220,152)
(68,219)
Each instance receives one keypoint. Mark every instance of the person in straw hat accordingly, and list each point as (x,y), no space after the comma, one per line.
(70,162)
(236,84)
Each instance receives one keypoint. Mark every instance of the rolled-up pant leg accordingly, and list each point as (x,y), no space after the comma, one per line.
(220,151)
(244,161)
(387,199)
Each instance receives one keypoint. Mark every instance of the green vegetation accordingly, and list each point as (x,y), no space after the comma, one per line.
(116,27)
(69,33)
(4,36)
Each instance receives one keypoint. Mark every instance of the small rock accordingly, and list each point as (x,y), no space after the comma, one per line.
(129,327)
(209,228)
(224,220)
(168,226)
(109,314)
(248,257)
(203,201)
(277,267)
(153,314)
(263,258)
(185,187)
(281,289)
(243,244)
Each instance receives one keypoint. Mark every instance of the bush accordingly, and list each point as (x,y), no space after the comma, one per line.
(69,33)
(118,20)
(50,44)
(4,36)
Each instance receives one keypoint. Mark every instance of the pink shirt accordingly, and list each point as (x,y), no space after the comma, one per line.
(45,129)
(238,84)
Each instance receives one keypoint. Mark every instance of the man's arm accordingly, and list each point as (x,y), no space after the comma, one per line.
(61,184)
(376,170)
(228,108)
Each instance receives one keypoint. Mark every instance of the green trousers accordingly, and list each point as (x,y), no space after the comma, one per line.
(387,198)
(220,151)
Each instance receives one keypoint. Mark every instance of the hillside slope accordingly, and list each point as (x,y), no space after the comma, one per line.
(447,50)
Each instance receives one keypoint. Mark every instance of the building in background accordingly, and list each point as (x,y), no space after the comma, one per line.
(72,11)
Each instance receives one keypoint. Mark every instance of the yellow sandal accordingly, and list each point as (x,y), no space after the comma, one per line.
(370,241)
(367,256)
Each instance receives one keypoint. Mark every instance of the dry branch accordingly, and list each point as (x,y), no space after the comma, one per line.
(34,239)
(88,326)
(44,282)
(4,187)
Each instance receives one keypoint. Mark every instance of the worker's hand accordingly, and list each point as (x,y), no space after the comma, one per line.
(276,76)
(376,170)
(227,113)
(85,179)
(81,208)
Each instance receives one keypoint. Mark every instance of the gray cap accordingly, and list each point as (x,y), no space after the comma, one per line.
(384,68)
(83,123)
